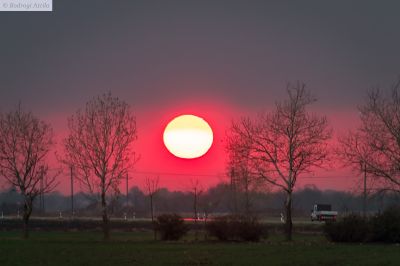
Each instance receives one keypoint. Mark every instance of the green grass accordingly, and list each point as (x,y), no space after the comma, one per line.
(138,248)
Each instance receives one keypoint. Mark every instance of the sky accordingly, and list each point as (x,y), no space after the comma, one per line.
(215,59)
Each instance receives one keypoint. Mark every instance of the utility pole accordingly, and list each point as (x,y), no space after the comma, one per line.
(127,191)
(72,193)
(365,192)
(234,190)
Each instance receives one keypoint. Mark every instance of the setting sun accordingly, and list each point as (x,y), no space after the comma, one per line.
(188,136)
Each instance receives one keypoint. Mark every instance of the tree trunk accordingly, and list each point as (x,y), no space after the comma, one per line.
(106,227)
(26,215)
(247,197)
(195,207)
(151,209)
(288,221)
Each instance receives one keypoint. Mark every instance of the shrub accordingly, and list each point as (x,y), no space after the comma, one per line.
(386,226)
(220,228)
(250,229)
(171,226)
(236,227)
(352,228)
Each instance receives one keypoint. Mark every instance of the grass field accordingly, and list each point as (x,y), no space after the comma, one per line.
(138,248)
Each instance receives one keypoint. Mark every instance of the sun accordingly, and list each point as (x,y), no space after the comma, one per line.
(188,136)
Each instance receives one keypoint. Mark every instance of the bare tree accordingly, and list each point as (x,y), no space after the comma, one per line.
(151,189)
(283,144)
(196,190)
(208,203)
(99,146)
(376,143)
(25,142)
(353,150)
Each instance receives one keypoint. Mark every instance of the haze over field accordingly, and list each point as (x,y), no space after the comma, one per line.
(214,59)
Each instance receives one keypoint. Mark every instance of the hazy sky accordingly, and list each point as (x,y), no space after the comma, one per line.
(215,58)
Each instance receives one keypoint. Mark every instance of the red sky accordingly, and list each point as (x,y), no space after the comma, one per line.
(176,173)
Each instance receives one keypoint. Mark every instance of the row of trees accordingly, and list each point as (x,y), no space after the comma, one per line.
(98,148)
(277,147)
(213,201)
(270,150)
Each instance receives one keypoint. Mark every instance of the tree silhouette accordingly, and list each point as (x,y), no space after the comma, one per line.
(99,147)
(25,141)
(151,189)
(376,143)
(281,145)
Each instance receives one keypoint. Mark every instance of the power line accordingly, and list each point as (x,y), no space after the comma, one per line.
(176,174)
(219,175)
(223,175)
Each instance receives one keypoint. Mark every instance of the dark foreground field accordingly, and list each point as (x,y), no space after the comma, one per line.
(138,248)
